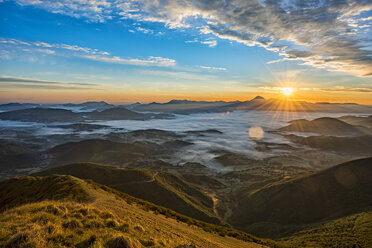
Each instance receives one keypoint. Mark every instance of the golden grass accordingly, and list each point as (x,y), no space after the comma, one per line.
(106,220)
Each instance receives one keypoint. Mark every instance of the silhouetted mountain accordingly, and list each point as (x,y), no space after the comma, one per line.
(258,103)
(17,106)
(258,98)
(120,113)
(41,115)
(99,106)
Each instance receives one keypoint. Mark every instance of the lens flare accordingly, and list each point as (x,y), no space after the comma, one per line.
(256,133)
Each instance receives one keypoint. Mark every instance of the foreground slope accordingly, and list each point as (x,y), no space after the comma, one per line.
(350,231)
(99,217)
(335,192)
(161,188)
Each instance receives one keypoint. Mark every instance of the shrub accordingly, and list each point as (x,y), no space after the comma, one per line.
(121,242)
(72,224)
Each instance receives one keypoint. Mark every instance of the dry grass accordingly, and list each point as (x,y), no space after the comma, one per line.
(106,220)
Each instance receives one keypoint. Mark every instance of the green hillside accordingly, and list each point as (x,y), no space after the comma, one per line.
(350,231)
(97,150)
(93,215)
(158,187)
(14,155)
(283,207)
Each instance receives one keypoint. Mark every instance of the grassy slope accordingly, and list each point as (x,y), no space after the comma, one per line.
(18,191)
(350,231)
(96,150)
(338,191)
(361,145)
(102,216)
(160,188)
(14,155)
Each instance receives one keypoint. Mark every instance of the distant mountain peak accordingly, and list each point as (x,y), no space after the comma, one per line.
(174,101)
(258,98)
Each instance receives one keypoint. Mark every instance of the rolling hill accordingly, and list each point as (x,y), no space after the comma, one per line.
(161,188)
(350,231)
(70,212)
(325,125)
(14,155)
(365,121)
(359,145)
(41,115)
(325,195)
(117,114)
(98,150)
(258,103)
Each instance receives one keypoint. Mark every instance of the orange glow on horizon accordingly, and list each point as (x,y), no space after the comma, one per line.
(120,97)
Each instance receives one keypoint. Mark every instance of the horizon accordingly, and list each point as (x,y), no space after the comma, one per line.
(168,101)
(138,51)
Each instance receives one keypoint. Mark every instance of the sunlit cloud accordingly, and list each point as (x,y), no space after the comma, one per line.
(274,89)
(348,89)
(7,82)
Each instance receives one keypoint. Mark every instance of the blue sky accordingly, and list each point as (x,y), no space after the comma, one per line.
(124,51)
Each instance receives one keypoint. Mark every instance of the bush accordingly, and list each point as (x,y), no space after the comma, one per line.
(121,242)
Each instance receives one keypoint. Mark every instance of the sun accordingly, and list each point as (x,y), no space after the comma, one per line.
(287,91)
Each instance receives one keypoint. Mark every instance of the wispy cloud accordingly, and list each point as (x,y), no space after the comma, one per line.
(213,68)
(331,89)
(150,61)
(7,82)
(210,43)
(178,75)
(348,89)
(14,48)
(324,34)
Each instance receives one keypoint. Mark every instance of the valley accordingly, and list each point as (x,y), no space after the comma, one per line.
(303,175)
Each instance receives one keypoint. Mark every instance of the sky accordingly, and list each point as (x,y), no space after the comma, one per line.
(156,50)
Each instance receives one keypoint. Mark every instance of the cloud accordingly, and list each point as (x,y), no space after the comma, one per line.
(213,68)
(348,89)
(210,43)
(333,89)
(178,75)
(15,82)
(332,34)
(150,61)
(13,48)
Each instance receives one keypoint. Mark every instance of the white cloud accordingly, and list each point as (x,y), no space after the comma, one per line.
(150,61)
(213,68)
(178,75)
(13,48)
(210,43)
(330,31)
